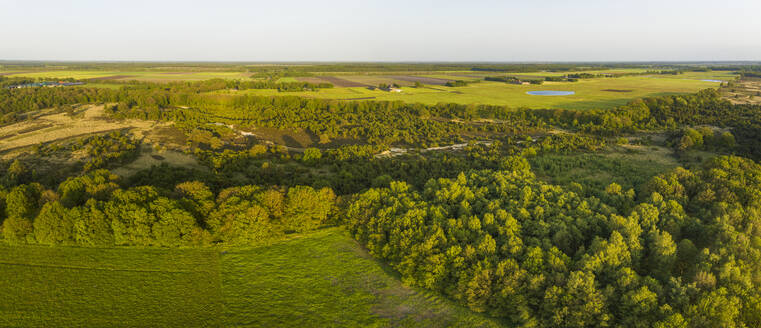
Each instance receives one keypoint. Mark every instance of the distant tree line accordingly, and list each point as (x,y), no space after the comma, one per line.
(219,84)
(456,83)
(512,79)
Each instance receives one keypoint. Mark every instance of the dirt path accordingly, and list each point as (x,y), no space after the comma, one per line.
(393,152)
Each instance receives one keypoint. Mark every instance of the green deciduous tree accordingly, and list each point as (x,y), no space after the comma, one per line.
(54,225)
(306,208)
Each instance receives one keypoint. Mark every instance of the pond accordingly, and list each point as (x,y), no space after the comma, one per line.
(720,81)
(550,93)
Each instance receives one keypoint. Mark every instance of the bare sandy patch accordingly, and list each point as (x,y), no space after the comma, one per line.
(61,126)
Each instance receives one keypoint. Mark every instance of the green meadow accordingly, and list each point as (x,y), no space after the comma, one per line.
(92,287)
(589,93)
(155,76)
(319,280)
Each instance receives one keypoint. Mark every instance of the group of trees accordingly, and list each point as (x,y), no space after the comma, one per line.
(366,121)
(221,84)
(456,83)
(705,138)
(92,210)
(15,102)
(352,168)
(113,148)
(513,79)
(504,243)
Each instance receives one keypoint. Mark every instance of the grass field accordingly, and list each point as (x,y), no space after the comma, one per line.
(589,93)
(320,280)
(156,76)
(630,169)
(90,287)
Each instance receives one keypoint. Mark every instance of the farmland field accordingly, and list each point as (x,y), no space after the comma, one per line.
(322,279)
(154,76)
(589,93)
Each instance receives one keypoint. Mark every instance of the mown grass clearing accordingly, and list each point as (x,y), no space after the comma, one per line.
(319,280)
(90,287)
(327,280)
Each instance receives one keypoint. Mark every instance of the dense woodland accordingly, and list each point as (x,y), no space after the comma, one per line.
(687,254)
(92,210)
(680,248)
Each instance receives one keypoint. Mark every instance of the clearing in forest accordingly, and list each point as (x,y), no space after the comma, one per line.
(324,279)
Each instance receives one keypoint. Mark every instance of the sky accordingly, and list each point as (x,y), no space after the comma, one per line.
(390,30)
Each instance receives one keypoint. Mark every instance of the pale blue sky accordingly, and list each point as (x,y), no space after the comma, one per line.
(337,30)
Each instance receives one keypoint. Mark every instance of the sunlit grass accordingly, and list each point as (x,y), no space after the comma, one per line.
(598,93)
(322,279)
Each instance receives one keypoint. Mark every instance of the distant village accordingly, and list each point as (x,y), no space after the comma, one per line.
(44,84)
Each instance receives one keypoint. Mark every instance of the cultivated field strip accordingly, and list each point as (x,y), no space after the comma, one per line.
(336,81)
(421,79)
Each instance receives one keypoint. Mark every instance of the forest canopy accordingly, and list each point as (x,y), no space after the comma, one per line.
(506,244)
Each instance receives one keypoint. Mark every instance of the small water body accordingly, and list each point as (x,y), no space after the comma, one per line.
(719,81)
(551,93)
